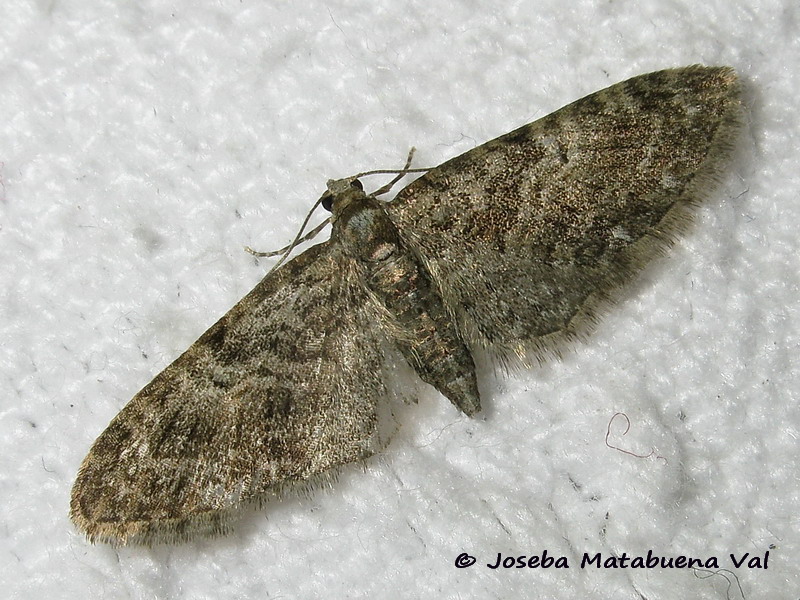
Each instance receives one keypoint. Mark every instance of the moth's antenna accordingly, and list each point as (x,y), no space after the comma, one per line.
(309,236)
(300,238)
(400,173)
(285,251)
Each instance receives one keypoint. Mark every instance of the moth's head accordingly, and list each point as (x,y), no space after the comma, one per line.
(342,193)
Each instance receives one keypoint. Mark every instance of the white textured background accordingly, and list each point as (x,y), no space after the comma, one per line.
(143,144)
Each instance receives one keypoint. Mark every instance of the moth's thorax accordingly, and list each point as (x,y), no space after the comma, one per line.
(362,225)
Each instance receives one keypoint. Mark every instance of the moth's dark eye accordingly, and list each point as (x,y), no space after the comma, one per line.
(357,184)
(327,202)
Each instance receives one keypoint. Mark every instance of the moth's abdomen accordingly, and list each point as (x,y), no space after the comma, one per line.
(418,323)
(428,338)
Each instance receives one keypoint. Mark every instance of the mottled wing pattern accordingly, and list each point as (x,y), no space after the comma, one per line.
(527,234)
(282,388)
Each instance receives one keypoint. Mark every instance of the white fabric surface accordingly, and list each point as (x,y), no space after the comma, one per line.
(143,144)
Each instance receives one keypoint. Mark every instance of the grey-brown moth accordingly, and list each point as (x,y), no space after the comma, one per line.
(511,247)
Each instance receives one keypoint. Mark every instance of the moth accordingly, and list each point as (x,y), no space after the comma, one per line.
(510,248)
